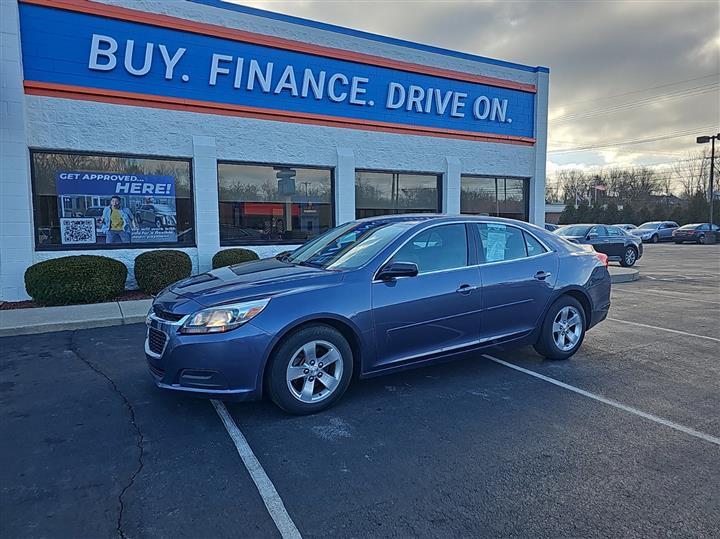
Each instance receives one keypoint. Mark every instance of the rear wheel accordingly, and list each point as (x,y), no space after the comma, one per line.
(629,257)
(310,370)
(563,329)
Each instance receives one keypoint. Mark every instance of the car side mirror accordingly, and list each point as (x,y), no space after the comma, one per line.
(592,235)
(398,269)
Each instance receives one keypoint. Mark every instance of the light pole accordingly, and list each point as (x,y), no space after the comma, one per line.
(705,140)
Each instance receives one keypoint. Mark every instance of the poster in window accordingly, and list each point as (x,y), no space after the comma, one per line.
(125,208)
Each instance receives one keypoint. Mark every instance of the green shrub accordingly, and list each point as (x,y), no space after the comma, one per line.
(154,270)
(75,279)
(230,257)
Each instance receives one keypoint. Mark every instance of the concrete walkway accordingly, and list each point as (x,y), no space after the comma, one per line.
(44,319)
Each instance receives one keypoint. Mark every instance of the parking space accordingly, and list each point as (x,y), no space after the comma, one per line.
(468,448)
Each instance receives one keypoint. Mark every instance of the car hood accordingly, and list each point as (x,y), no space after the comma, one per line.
(251,280)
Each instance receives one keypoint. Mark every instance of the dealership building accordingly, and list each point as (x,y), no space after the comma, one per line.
(200,125)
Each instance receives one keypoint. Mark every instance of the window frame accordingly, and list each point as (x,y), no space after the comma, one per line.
(102,246)
(438,175)
(526,192)
(333,217)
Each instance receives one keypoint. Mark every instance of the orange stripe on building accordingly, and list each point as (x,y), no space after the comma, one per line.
(118,97)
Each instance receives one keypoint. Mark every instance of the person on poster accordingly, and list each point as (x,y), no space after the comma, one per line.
(117,222)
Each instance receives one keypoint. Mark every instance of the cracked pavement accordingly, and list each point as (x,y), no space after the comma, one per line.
(91,449)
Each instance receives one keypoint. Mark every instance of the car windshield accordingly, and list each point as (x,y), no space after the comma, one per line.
(573,230)
(651,224)
(349,246)
(689,227)
(164,208)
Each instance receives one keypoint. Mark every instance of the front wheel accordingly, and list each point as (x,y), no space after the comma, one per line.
(310,370)
(563,329)
(629,258)
(701,241)
(654,239)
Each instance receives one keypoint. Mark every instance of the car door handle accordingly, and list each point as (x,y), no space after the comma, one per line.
(466,289)
(542,275)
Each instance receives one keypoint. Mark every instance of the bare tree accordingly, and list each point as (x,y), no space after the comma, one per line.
(692,173)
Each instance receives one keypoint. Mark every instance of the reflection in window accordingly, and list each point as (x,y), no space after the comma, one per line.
(501,197)
(387,193)
(273,204)
(438,248)
(83,201)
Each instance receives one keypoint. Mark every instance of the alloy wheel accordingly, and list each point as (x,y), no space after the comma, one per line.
(314,372)
(630,257)
(567,328)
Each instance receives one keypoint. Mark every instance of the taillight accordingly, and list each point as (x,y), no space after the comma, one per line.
(603,258)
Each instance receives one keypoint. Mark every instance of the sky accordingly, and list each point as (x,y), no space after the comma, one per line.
(621,72)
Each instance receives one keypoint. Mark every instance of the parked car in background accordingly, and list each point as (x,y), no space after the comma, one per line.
(618,245)
(158,215)
(626,226)
(694,232)
(655,231)
(550,227)
(371,297)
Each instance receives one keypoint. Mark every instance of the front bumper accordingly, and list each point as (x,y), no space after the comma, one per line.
(226,366)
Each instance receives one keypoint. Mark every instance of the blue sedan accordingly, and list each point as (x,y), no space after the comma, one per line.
(371,297)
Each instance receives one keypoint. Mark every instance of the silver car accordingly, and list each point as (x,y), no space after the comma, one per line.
(655,231)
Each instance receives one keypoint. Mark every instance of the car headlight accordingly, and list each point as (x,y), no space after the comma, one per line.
(224,318)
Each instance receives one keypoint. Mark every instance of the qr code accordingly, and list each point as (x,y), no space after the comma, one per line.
(74,231)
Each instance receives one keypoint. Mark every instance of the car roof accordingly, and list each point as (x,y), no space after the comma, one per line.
(440,217)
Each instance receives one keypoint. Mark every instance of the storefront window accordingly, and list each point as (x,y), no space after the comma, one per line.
(501,197)
(383,193)
(84,201)
(273,204)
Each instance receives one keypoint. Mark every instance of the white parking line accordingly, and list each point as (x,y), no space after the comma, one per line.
(267,491)
(669,296)
(664,329)
(610,402)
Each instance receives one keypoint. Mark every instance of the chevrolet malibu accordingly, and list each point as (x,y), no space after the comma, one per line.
(371,297)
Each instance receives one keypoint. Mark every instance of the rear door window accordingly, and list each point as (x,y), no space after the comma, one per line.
(500,242)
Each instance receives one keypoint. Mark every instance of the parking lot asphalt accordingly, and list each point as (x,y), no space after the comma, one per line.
(471,448)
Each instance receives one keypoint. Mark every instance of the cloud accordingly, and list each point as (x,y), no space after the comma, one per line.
(595,50)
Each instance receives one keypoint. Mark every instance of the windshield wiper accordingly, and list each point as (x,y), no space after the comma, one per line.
(310,264)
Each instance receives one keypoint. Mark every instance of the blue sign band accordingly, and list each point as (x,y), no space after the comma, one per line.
(90,51)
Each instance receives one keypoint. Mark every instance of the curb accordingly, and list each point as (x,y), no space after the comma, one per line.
(624,275)
(49,319)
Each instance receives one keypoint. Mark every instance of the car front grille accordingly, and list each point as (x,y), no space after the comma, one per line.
(156,341)
(167,315)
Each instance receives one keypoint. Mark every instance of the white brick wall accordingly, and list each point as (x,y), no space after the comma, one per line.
(16,249)
(51,123)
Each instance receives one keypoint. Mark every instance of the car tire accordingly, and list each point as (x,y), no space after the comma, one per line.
(701,239)
(158,223)
(629,257)
(555,331)
(298,380)
(654,239)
